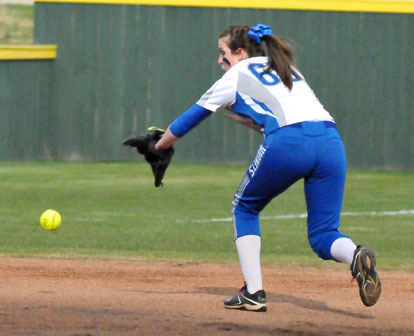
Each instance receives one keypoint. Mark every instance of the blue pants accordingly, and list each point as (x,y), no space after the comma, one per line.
(310,150)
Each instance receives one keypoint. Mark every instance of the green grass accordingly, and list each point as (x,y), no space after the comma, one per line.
(16,24)
(112,210)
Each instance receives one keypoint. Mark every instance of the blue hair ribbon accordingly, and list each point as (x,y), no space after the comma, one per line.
(257,32)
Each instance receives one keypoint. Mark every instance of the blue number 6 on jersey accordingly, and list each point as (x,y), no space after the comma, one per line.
(267,78)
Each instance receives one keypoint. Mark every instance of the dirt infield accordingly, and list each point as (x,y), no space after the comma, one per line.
(98,297)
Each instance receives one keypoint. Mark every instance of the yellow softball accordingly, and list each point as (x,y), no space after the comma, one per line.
(50,220)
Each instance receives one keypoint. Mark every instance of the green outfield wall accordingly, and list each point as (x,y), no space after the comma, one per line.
(26,118)
(125,65)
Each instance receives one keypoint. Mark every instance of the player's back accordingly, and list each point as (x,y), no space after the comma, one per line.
(263,93)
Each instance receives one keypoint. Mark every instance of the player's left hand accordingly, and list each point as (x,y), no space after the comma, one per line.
(157,158)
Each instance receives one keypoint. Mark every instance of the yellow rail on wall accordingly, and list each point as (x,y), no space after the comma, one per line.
(27,52)
(379,6)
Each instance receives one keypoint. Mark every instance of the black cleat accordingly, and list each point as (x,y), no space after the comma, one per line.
(246,301)
(363,270)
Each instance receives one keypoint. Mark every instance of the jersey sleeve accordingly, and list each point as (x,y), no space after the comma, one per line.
(222,93)
(188,120)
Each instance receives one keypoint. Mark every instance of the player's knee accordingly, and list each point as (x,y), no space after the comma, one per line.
(245,223)
(322,241)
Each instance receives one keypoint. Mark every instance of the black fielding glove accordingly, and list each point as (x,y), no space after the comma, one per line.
(158,159)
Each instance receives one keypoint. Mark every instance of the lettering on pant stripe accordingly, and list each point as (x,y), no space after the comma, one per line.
(256,162)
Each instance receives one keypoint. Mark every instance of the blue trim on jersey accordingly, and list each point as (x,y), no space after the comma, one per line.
(262,105)
(188,120)
(269,123)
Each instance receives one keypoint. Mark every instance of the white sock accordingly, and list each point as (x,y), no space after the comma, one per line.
(248,248)
(343,249)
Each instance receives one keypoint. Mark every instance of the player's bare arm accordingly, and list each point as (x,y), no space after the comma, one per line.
(246,121)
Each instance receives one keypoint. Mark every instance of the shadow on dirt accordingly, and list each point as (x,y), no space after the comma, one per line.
(282,298)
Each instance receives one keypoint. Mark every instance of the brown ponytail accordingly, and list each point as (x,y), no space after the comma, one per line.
(281,59)
(280,52)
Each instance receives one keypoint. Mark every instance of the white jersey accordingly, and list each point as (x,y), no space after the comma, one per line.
(251,92)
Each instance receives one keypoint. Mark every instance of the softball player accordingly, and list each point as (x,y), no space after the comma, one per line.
(266,92)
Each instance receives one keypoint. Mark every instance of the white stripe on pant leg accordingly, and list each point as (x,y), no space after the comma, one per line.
(234,227)
(236,199)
